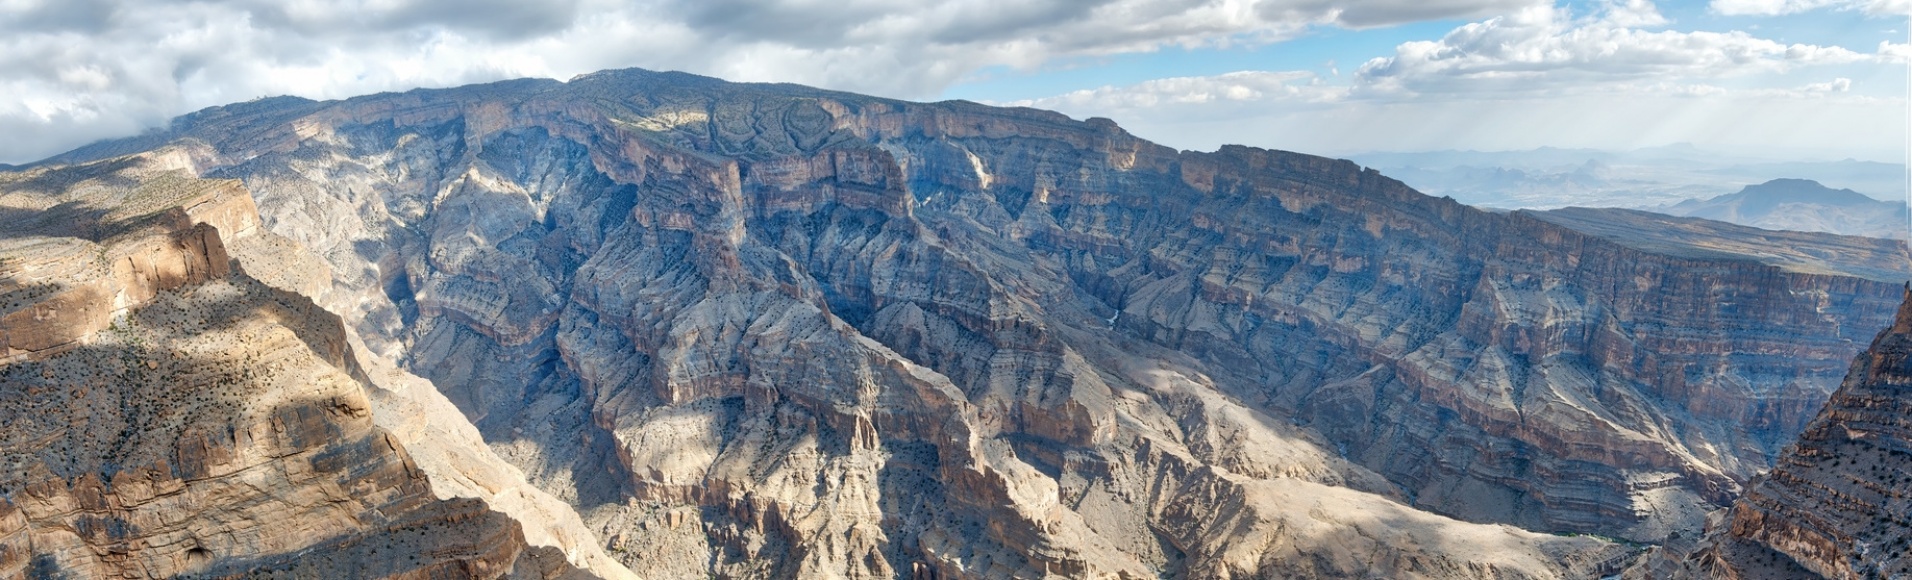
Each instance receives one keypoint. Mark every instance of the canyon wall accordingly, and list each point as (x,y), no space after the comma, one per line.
(770,331)
(1835,503)
(163,414)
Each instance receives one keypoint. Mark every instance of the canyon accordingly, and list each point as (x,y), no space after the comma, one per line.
(1833,505)
(643,324)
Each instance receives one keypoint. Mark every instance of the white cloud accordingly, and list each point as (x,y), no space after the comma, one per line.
(1546,50)
(76,70)
(72,71)
(1537,52)
(1894,53)
(1236,87)
(1633,14)
(1614,79)
(1838,85)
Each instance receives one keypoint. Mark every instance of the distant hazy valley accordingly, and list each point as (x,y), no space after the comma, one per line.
(1547,177)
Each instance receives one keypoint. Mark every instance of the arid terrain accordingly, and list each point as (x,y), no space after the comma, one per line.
(658,325)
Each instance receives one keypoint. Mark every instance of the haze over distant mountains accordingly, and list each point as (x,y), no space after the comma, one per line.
(1800,205)
(1548,178)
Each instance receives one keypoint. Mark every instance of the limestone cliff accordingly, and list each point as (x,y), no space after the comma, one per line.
(164,415)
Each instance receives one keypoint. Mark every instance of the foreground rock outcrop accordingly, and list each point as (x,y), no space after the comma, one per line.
(769,331)
(163,414)
(1835,505)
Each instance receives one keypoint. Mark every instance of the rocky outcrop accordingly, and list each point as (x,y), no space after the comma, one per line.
(747,352)
(82,250)
(165,415)
(770,331)
(1834,504)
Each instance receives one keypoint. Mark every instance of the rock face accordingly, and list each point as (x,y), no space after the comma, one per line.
(163,414)
(770,331)
(1836,502)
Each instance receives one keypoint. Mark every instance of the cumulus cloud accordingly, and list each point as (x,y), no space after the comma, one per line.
(73,71)
(1547,50)
(77,70)
(1617,77)
(1536,52)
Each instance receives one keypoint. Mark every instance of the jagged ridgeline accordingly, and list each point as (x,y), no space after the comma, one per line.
(767,331)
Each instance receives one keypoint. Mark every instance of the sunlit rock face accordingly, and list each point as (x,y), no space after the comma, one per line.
(164,414)
(770,331)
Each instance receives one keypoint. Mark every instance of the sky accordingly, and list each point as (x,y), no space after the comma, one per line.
(1808,79)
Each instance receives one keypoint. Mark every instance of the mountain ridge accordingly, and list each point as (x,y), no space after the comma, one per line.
(1800,204)
(1806,252)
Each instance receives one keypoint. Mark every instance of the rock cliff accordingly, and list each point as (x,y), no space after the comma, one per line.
(1835,503)
(771,331)
(163,414)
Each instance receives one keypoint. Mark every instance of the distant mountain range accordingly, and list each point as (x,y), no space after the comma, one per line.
(1548,178)
(1802,205)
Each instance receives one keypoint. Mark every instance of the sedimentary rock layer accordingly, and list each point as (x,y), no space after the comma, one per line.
(1836,502)
(164,415)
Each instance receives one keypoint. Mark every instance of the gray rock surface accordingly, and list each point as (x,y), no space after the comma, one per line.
(1793,251)
(1835,504)
(770,331)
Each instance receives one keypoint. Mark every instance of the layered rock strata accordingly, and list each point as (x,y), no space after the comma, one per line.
(769,331)
(163,414)
(1835,504)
